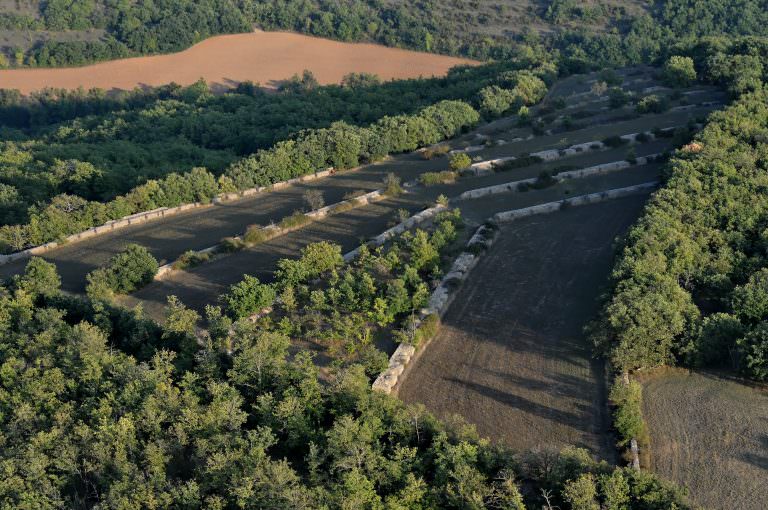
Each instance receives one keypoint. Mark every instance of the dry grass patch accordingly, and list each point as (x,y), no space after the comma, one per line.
(710,434)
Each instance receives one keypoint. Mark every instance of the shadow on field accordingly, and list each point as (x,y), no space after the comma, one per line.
(759,459)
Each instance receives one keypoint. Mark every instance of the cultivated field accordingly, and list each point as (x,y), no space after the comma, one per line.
(709,434)
(510,356)
(198,229)
(267,58)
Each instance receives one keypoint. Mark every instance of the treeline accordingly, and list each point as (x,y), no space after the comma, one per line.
(588,35)
(97,146)
(102,409)
(691,284)
(131,28)
(77,188)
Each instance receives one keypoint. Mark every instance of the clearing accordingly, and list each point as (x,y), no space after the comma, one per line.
(267,58)
(710,434)
(510,355)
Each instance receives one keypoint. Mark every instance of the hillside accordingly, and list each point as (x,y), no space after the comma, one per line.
(538,281)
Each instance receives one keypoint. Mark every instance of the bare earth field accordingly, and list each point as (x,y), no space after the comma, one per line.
(710,434)
(263,57)
(510,356)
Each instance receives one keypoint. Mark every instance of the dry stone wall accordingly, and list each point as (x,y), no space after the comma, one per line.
(438,304)
(143,217)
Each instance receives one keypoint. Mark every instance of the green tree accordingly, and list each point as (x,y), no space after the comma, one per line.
(247,297)
(679,71)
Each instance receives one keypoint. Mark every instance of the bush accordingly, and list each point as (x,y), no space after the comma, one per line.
(628,415)
(460,161)
(231,244)
(126,272)
(434,178)
(652,104)
(296,220)
(435,151)
(615,141)
(190,258)
(679,71)
(392,186)
(313,198)
(247,297)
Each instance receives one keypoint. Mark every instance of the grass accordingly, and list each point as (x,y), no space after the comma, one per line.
(190,259)
(709,433)
(295,220)
(510,355)
(435,178)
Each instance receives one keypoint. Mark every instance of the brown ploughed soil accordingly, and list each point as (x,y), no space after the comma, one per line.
(223,61)
(510,356)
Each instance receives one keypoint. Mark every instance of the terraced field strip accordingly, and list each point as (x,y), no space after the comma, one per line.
(167,238)
(510,355)
(709,434)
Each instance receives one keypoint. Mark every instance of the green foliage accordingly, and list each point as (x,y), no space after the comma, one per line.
(690,284)
(581,493)
(460,161)
(126,272)
(434,178)
(652,104)
(247,297)
(628,415)
(228,420)
(679,71)
(340,145)
(39,279)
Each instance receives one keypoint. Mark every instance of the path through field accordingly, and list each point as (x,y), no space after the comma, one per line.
(710,434)
(511,357)
(262,57)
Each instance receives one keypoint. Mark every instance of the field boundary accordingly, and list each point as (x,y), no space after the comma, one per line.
(273,231)
(591,198)
(604,168)
(439,301)
(162,212)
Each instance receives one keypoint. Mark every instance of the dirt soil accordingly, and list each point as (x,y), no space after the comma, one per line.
(710,434)
(510,356)
(267,58)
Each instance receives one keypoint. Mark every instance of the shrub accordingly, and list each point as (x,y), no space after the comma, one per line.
(392,186)
(628,414)
(615,141)
(433,178)
(257,234)
(126,272)
(435,151)
(296,220)
(544,180)
(190,258)
(679,71)
(460,161)
(231,244)
(521,162)
(313,198)
(652,104)
(248,297)
(617,97)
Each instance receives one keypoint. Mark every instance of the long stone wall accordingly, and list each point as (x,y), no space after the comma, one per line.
(592,198)
(163,212)
(511,187)
(275,230)
(439,301)
(411,222)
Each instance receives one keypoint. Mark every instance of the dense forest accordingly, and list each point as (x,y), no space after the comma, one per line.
(102,408)
(691,284)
